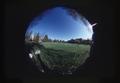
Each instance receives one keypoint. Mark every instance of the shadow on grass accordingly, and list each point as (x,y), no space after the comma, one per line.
(62,61)
(58,60)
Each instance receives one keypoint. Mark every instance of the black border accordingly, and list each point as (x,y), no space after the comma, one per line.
(19,13)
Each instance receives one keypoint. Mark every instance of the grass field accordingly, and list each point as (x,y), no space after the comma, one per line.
(64,56)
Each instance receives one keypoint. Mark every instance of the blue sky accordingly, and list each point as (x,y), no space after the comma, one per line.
(57,23)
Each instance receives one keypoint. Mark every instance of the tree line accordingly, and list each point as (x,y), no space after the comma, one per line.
(39,38)
(80,41)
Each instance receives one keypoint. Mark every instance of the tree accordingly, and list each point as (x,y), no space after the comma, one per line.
(46,38)
(36,38)
(71,41)
(28,35)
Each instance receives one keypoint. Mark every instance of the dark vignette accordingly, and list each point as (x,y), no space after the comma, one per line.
(99,68)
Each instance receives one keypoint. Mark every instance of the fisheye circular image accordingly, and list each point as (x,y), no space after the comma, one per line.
(59,39)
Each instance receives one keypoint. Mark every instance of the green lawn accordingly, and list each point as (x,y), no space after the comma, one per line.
(66,46)
(64,56)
